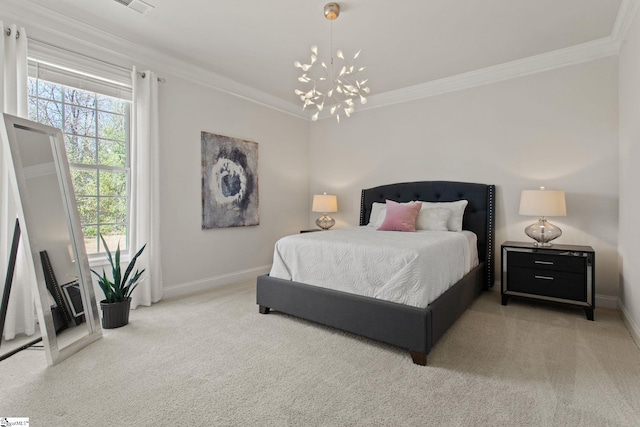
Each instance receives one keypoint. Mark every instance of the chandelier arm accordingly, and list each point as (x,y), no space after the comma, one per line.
(347,79)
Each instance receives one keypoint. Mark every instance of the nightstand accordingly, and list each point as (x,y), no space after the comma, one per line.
(559,273)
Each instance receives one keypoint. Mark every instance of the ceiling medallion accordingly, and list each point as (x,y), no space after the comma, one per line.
(327,87)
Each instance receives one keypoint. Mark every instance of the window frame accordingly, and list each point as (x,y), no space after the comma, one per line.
(95,258)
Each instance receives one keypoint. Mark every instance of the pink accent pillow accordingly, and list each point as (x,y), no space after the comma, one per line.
(400,217)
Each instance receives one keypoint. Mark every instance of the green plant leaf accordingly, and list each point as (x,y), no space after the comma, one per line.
(133,288)
(106,247)
(132,263)
(133,282)
(116,270)
(105,285)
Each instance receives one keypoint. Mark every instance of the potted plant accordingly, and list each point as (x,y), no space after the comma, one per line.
(117,292)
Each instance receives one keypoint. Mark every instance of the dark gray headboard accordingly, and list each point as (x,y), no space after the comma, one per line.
(479,215)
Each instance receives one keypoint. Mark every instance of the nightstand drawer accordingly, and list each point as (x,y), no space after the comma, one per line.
(556,284)
(540,261)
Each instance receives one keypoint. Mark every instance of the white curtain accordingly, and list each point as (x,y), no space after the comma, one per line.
(145,201)
(13,94)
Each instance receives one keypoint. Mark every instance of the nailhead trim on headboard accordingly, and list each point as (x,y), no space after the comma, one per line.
(491,211)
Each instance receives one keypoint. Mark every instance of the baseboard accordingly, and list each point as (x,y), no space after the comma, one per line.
(213,282)
(606,301)
(630,324)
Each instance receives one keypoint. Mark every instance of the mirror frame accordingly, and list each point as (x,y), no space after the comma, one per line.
(54,353)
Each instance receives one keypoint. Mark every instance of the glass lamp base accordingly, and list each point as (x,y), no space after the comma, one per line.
(325,222)
(543,232)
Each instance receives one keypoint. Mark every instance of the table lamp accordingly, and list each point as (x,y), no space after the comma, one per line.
(543,203)
(325,203)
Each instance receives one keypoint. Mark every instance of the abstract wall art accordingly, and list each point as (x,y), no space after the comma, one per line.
(229,182)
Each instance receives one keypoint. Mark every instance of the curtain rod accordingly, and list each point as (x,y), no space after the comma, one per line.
(111,64)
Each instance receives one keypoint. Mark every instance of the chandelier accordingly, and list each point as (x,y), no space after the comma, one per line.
(329,87)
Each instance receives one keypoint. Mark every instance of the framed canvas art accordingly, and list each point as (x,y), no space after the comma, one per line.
(229,182)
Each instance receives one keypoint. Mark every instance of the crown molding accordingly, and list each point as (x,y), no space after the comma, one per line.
(626,13)
(534,64)
(50,22)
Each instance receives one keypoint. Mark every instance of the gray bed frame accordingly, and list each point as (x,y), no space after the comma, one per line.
(413,328)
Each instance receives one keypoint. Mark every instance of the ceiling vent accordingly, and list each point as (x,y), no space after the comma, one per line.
(137,5)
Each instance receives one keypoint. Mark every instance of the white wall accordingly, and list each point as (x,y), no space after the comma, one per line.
(557,129)
(629,177)
(196,257)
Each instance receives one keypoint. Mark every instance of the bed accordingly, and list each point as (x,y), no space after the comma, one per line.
(416,329)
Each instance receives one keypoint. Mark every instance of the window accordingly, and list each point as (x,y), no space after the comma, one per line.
(96,134)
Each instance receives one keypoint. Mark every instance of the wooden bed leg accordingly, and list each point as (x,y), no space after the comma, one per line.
(263,309)
(419,358)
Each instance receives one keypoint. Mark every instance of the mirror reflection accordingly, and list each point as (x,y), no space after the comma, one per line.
(67,312)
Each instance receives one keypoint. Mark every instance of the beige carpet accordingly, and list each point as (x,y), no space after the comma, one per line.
(210,359)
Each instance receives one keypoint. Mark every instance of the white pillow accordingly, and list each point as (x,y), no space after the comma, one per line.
(457,211)
(433,219)
(378,212)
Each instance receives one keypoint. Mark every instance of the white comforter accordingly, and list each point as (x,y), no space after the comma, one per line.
(407,268)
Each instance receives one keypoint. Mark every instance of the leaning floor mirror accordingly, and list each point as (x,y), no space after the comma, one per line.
(51,232)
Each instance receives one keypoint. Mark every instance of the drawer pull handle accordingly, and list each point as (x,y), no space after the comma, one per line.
(544,262)
(544,277)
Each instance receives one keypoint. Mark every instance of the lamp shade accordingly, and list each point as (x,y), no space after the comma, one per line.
(325,203)
(543,203)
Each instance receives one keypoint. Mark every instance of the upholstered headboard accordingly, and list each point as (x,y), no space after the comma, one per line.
(479,215)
